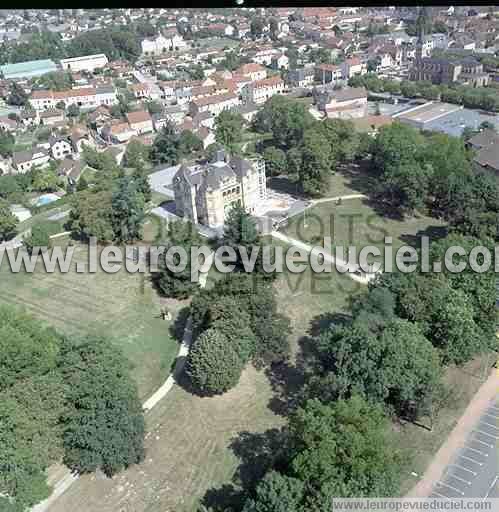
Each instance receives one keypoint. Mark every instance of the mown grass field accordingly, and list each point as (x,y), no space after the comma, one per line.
(122,306)
(191,449)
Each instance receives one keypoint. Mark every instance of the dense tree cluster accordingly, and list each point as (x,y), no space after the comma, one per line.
(169,146)
(331,450)
(486,98)
(308,151)
(114,208)
(73,399)
(117,42)
(434,171)
(229,130)
(238,316)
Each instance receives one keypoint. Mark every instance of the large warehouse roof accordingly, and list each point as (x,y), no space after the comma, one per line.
(28,69)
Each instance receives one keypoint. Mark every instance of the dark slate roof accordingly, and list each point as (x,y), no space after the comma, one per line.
(217,173)
(240,166)
(485,138)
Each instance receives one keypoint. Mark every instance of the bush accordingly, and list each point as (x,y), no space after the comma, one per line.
(40,235)
(213,365)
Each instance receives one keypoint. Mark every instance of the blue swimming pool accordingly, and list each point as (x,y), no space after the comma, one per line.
(46,199)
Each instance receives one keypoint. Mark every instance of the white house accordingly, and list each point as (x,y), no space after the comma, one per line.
(140,122)
(262,90)
(60,147)
(84,97)
(162,44)
(253,71)
(280,61)
(214,104)
(23,161)
(352,67)
(85,63)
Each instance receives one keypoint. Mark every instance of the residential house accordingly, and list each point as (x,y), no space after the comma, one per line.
(8,125)
(214,104)
(60,147)
(301,77)
(207,136)
(486,146)
(29,118)
(248,111)
(144,91)
(117,132)
(23,161)
(205,119)
(279,61)
(52,116)
(353,66)
(348,103)
(4,165)
(99,117)
(84,97)
(140,122)
(253,71)
(70,169)
(79,138)
(173,114)
(326,73)
(262,90)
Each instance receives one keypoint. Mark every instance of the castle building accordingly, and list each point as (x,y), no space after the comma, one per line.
(205,193)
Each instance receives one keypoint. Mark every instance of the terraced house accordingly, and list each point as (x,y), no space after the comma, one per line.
(84,97)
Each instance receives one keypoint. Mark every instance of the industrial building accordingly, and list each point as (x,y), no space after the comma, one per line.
(27,69)
(421,116)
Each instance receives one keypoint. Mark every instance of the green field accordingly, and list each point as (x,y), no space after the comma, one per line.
(122,306)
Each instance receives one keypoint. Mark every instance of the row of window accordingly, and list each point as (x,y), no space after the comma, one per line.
(235,190)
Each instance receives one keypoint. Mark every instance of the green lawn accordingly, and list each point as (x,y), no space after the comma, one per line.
(122,306)
(356,222)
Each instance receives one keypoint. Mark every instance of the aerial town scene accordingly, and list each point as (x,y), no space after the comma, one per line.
(249,259)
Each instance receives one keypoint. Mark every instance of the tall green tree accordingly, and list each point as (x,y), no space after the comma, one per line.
(128,210)
(165,147)
(286,118)
(277,493)
(104,424)
(8,221)
(213,364)
(343,450)
(178,284)
(228,129)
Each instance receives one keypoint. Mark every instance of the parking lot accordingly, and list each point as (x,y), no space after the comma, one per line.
(475,471)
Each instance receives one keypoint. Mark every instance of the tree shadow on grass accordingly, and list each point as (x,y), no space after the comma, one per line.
(358,176)
(287,382)
(324,321)
(226,498)
(434,233)
(177,328)
(257,453)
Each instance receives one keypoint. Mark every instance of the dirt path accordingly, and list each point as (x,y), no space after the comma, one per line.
(336,198)
(316,251)
(480,402)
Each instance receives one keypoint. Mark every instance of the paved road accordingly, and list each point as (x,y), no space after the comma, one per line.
(474,472)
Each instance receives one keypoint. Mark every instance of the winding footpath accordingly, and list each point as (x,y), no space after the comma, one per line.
(69,478)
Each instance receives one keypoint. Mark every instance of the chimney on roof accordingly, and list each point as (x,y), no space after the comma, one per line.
(220,155)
